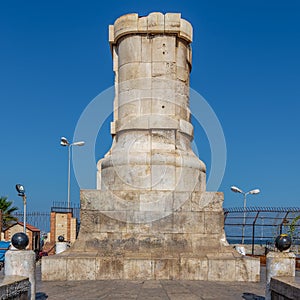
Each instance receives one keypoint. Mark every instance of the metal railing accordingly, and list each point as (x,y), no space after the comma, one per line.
(262,225)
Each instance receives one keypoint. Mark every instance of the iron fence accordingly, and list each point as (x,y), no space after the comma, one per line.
(41,220)
(261,225)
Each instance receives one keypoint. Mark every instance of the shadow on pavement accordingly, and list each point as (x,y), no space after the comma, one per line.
(41,296)
(250,296)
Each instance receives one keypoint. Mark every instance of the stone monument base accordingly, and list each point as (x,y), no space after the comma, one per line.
(144,266)
(187,244)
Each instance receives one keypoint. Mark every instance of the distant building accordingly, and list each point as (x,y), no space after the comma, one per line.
(32,232)
(62,223)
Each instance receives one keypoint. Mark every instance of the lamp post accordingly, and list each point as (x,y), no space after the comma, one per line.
(64,142)
(252,192)
(21,192)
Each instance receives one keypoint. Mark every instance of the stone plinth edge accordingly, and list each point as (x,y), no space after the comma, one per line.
(285,287)
(97,267)
(154,23)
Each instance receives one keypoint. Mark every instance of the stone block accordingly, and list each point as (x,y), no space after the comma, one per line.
(163,48)
(162,145)
(14,287)
(81,268)
(189,57)
(130,50)
(214,222)
(146,108)
(176,243)
(143,85)
(109,267)
(135,269)
(156,23)
(123,177)
(221,270)
(167,223)
(172,22)
(143,24)
(129,110)
(186,127)
(54,268)
(181,201)
(186,31)
(207,201)
(108,224)
(156,201)
(280,264)
(285,287)
(187,179)
(162,107)
(95,200)
(187,222)
(182,54)
(247,269)
(164,75)
(194,268)
(146,49)
(201,243)
(159,121)
(134,70)
(165,156)
(182,74)
(163,177)
(166,268)
(111,34)
(125,25)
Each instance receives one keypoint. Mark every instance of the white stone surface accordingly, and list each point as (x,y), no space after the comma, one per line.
(60,247)
(279,264)
(22,263)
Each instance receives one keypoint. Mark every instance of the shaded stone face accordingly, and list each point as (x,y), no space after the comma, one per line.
(150,216)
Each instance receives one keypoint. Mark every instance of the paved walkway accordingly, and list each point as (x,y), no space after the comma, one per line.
(150,290)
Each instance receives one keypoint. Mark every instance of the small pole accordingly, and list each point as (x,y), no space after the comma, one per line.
(244,222)
(1,222)
(24,202)
(69,173)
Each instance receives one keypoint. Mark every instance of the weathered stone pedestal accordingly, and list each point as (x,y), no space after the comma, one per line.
(187,244)
(22,263)
(151,217)
(279,264)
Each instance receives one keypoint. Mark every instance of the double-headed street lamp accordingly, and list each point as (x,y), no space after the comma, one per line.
(64,142)
(21,192)
(252,192)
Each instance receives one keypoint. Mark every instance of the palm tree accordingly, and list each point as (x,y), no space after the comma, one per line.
(7,210)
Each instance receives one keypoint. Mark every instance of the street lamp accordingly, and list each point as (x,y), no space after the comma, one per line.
(21,192)
(64,142)
(252,192)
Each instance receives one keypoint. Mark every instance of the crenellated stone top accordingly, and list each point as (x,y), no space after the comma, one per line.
(154,23)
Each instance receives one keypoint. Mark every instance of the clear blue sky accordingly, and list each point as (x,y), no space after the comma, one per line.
(55,58)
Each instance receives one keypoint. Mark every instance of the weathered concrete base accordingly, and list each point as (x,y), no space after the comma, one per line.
(187,244)
(14,288)
(285,288)
(280,264)
(22,263)
(88,266)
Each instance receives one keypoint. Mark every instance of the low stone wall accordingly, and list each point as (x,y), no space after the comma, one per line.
(14,288)
(285,288)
